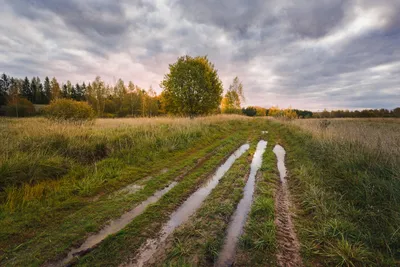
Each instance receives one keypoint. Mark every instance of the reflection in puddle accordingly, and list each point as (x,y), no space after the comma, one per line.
(280,155)
(183,213)
(114,226)
(227,255)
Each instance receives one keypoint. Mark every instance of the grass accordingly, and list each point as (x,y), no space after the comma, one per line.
(348,190)
(257,246)
(58,184)
(198,242)
(65,208)
(120,247)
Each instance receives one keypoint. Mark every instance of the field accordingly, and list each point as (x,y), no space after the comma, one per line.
(120,190)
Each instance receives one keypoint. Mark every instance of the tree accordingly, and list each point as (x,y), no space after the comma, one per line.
(4,87)
(396,112)
(192,87)
(55,89)
(152,102)
(119,94)
(82,92)
(13,98)
(231,103)
(131,102)
(40,95)
(26,89)
(249,111)
(98,95)
(34,90)
(47,90)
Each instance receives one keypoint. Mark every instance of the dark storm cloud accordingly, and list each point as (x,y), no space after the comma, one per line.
(315,18)
(308,54)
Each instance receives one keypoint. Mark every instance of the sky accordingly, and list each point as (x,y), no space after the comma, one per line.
(307,54)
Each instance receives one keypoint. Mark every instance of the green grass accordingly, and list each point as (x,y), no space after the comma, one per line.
(42,218)
(58,184)
(257,246)
(198,242)
(348,198)
(120,247)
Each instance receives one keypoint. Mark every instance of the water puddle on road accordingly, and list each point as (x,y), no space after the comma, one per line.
(183,213)
(114,226)
(227,255)
(280,155)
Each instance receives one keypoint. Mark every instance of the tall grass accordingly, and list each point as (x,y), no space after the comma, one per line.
(346,177)
(379,136)
(41,159)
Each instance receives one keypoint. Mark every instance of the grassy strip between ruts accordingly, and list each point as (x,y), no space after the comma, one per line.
(348,201)
(257,245)
(56,239)
(120,247)
(198,242)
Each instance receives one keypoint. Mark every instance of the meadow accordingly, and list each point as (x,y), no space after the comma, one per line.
(61,183)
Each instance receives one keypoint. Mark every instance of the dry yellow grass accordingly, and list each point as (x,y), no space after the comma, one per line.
(379,135)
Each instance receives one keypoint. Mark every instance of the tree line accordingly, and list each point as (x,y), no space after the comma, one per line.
(106,100)
(366,113)
(191,88)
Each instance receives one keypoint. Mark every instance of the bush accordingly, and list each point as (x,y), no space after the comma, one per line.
(249,111)
(20,107)
(67,109)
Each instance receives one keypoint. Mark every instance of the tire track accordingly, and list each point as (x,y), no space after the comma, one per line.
(288,245)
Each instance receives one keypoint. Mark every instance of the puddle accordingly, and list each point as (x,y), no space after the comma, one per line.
(183,213)
(114,226)
(288,252)
(280,155)
(227,255)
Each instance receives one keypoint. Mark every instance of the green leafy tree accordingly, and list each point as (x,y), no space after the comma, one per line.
(192,87)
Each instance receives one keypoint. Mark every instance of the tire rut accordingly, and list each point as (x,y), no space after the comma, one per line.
(288,245)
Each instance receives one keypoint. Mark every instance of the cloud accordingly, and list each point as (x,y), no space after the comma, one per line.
(309,54)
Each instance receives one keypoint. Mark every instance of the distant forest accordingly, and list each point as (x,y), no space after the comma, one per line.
(123,100)
(119,100)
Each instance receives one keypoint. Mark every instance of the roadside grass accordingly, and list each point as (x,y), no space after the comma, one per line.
(257,246)
(75,225)
(124,245)
(348,194)
(199,241)
(42,218)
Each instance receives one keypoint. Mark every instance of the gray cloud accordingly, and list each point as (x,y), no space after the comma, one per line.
(308,54)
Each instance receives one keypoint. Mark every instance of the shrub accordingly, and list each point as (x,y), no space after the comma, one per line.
(20,107)
(66,109)
(249,111)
